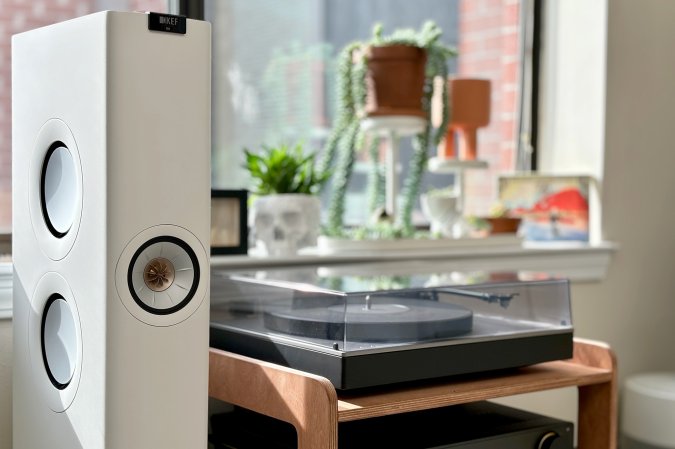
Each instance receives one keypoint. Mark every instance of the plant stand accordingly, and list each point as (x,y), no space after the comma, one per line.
(314,408)
(457,167)
(393,128)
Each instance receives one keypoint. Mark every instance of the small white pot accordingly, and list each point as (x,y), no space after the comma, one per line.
(442,212)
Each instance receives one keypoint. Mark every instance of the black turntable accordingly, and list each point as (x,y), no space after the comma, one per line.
(360,337)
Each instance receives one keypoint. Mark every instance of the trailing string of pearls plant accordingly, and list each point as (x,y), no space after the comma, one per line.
(347,137)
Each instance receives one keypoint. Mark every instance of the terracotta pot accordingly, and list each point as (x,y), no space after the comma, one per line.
(395,80)
(503,225)
(469,102)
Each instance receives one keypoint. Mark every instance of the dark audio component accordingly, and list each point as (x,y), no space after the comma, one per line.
(479,425)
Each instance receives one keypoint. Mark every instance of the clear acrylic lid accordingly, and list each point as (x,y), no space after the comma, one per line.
(356,313)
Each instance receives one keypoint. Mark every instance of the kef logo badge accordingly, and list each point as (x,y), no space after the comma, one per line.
(167,23)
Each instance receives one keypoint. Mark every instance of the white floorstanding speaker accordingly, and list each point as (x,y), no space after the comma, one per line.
(111,218)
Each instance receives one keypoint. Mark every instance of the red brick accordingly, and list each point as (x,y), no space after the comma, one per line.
(510,71)
(480,23)
(510,44)
(509,100)
(466,7)
(511,14)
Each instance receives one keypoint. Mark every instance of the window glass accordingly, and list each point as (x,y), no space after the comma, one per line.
(18,16)
(274,79)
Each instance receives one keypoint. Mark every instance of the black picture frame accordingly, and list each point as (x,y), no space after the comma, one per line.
(229,222)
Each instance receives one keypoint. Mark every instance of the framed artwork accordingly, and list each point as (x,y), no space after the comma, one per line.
(552,208)
(229,227)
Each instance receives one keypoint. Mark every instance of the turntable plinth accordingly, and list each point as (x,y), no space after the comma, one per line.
(311,404)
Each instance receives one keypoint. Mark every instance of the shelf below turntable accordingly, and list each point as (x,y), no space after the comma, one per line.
(313,407)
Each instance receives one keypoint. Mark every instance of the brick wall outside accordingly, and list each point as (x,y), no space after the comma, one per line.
(17,16)
(489,40)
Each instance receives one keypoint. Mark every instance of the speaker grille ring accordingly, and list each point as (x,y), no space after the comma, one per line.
(167,253)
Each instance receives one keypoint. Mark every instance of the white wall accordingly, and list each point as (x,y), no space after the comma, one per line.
(634,307)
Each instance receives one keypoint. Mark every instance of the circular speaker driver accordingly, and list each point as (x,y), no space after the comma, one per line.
(55,189)
(54,342)
(163,275)
(58,189)
(59,341)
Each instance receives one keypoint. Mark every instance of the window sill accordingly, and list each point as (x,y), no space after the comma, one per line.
(578,262)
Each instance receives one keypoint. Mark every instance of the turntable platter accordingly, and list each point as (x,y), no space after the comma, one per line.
(375,320)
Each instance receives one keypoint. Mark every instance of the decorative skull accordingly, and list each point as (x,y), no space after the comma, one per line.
(283,224)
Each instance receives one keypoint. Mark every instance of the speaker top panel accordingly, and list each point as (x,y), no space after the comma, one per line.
(55,189)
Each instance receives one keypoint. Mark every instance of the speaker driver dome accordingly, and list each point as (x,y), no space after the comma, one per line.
(59,341)
(58,189)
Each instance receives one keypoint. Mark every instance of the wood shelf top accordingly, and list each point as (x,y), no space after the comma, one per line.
(469,389)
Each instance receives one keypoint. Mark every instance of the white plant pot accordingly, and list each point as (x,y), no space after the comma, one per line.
(442,212)
(285,223)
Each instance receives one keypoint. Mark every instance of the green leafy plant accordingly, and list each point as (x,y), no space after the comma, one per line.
(499,210)
(347,138)
(282,169)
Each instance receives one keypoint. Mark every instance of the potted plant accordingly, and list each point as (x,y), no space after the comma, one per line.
(285,215)
(363,91)
(499,221)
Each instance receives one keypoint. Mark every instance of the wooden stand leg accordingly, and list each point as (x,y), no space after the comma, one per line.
(306,401)
(598,403)
(597,417)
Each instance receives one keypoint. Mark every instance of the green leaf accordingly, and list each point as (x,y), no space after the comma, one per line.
(283,169)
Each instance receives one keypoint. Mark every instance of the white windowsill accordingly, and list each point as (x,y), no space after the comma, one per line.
(5,290)
(578,262)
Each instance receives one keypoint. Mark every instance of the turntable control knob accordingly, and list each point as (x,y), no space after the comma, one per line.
(548,440)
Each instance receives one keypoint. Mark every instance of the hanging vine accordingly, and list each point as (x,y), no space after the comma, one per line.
(347,139)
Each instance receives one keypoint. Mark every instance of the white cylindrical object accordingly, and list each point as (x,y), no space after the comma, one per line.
(649,409)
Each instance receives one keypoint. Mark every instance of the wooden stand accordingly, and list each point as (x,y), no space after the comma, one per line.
(312,406)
